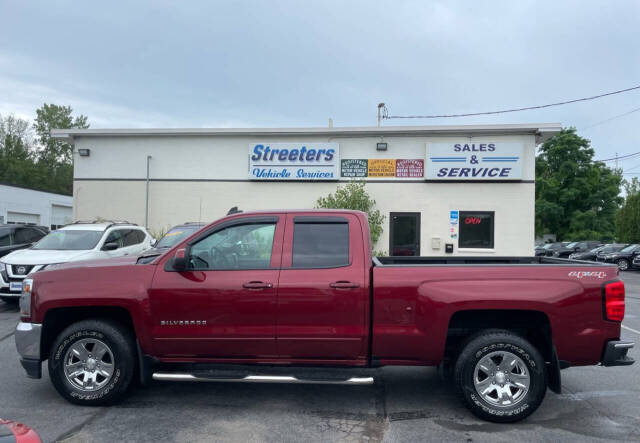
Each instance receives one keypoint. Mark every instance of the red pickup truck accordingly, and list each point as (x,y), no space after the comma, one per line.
(295,296)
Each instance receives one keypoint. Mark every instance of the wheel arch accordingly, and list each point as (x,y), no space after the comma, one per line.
(532,325)
(57,319)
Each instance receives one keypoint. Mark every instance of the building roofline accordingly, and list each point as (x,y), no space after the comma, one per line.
(27,188)
(541,130)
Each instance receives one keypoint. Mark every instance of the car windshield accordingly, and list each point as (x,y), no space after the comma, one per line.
(598,249)
(547,246)
(629,248)
(572,245)
(69,240)
(176,235)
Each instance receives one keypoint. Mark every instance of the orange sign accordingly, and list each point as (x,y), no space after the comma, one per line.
(382,167)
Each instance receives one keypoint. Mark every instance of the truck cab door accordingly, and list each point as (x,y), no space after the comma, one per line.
(223,306)
(323,300)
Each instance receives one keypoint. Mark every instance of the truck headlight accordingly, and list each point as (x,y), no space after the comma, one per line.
(25,299)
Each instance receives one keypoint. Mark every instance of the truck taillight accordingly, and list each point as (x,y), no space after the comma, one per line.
(614,301)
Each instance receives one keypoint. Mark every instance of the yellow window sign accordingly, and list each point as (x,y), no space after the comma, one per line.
(382,167)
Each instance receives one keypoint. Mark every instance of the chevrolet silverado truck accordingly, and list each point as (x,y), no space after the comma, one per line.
(295,296)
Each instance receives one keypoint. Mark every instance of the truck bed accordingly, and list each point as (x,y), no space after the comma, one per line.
(484,260)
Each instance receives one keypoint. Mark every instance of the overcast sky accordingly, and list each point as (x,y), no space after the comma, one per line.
(297,63)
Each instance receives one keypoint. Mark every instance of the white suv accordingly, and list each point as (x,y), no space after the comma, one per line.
(78,241)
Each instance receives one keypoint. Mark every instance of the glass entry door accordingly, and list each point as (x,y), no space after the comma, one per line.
(404,235)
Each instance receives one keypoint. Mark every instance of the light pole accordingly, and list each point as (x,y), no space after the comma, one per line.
(146,211)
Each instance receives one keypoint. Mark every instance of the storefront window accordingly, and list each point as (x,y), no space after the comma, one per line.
(476,229)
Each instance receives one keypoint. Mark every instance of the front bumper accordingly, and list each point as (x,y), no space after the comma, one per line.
(28,336)
(615,353)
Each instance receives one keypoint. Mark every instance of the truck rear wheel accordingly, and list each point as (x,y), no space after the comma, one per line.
(92,362)
(501,376)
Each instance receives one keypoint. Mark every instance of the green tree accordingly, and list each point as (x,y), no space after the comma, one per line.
(576,198)
(17,161)
(56,156)
(354,196)
(628,216)
(50,117)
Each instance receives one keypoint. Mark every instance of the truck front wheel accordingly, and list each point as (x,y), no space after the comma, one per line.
(92,362)
(501,376)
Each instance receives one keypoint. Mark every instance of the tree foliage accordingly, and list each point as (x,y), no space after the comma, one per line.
(628,216)
(354,196)
(38,162)
(576,198)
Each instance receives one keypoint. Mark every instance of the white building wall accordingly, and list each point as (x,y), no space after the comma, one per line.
(48,208)
(198,178)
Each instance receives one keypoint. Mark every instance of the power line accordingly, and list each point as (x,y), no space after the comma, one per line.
(609,119)
(622,157)
(504,111)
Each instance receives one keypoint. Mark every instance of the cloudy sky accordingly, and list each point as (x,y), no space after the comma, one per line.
(297,63)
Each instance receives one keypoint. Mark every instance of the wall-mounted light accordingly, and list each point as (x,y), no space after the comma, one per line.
(84,152)
(381,146)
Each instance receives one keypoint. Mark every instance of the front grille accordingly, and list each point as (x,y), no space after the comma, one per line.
(21,270)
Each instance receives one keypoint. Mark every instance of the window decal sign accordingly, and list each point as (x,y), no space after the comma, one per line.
(354,168)
(382,167)
(474,161)
(294,161)
(453,222)
(410,168)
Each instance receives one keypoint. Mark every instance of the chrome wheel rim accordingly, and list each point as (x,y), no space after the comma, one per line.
(623,265)
(502,379)
(88,364)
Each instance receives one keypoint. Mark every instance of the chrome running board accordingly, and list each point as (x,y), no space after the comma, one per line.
(172,376)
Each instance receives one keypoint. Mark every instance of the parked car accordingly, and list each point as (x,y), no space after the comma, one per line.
(635,263)
(548,248)
(175,235)
(18,236)
(600,251)
(78,241)
(623,257)
(299,290)
(576,246)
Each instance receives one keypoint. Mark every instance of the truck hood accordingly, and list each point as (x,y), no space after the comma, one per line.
(43,256)
(102,263)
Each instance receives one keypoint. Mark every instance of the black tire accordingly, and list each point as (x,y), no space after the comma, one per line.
(121,345)
(12,301)
(623,264)
(487,343)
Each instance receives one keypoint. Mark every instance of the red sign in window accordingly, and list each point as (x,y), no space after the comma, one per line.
(410,168)
(472,221)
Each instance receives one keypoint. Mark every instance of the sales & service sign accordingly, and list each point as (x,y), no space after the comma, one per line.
(474,161)
(294,161)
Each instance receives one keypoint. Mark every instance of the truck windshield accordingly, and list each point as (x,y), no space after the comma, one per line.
(69,240)
(176,235)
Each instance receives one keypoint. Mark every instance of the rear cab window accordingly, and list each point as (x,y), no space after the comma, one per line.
(322,242)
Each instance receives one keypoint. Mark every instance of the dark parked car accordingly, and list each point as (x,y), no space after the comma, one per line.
(623,257)
(576,246)
(601,251)
(548,248)
(174,236)
(14,237)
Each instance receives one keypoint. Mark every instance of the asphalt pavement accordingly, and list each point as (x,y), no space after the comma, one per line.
(405,404)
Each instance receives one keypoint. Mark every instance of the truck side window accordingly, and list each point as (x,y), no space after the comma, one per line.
(320,245)
(236,247)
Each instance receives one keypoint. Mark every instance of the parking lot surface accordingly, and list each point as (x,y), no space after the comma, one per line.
(405,404)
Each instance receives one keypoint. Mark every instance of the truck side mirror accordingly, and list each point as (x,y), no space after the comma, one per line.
(178,262)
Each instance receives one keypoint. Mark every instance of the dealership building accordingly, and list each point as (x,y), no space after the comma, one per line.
(461,190)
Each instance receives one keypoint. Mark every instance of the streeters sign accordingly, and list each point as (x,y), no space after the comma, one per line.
(474,161)
(294,161)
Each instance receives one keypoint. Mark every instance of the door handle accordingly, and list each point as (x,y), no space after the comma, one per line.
(344,285)
(257,285)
